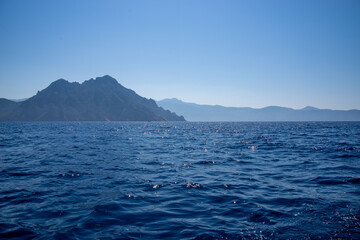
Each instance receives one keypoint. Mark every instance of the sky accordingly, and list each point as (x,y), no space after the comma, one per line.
(233,53)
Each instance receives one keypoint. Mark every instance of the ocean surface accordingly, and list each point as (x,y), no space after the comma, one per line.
(183,180)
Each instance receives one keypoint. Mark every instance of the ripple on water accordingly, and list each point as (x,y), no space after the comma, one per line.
(179,180)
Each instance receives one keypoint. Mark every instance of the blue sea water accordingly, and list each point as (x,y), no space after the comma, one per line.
(167,180)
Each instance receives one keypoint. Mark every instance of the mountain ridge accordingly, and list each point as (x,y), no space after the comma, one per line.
(198,112)
(100,99)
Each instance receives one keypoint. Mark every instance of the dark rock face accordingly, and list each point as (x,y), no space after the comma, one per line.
(100,99)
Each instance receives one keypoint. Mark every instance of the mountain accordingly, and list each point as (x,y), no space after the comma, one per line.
(196,112)
(18,100)
(100,99)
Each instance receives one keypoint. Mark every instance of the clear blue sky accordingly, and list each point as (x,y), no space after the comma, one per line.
(233,53)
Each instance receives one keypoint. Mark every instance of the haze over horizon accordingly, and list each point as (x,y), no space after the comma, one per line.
(230,53)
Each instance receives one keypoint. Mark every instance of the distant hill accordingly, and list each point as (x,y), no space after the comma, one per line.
(19,100)
(100,99)
(196,112)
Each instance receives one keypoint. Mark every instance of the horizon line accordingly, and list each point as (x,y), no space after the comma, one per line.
(257,108)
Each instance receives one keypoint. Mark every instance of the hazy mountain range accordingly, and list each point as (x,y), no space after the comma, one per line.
(196,112)
(104,99)
(100,99)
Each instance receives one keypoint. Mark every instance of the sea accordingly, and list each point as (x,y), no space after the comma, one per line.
(180,180)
